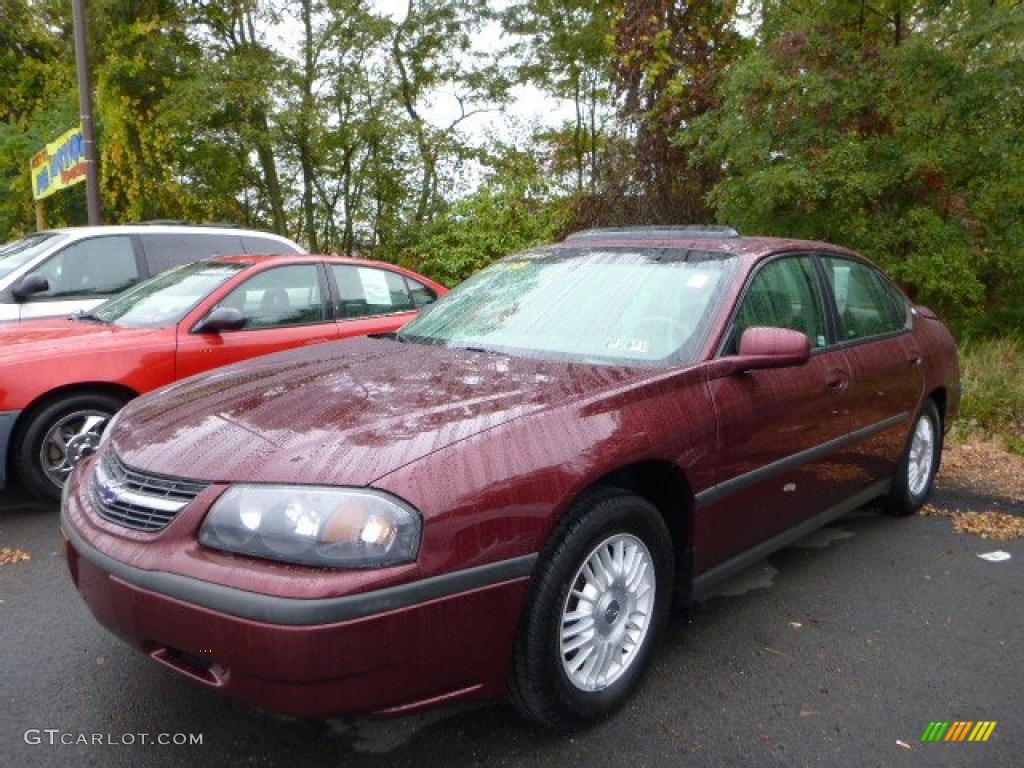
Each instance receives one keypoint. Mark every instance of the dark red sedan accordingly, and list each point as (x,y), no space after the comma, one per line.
(508,495)
(61,379)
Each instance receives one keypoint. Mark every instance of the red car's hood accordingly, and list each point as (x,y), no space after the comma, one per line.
(342,413)
(51,337)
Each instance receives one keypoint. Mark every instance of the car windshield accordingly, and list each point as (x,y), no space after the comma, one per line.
(19,252)
(633,306)
(165,299)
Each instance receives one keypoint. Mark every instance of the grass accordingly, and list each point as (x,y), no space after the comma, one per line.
(992,375)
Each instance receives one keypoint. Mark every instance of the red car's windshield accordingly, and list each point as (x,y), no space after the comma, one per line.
(633,306)
(167,298)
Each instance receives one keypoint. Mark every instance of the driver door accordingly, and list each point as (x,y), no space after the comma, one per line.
(776,464)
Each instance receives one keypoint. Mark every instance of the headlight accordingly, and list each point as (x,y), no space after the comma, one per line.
(326,527)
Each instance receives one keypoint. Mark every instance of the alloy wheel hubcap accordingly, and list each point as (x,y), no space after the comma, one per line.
(607,612)
(922,456)
(70,440)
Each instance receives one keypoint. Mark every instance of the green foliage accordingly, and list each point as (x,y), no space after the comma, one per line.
(992,374)
(566,50)
(511,211)
(895,127)
(900,135)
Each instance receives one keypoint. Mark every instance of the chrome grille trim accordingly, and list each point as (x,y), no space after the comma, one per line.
(139,500)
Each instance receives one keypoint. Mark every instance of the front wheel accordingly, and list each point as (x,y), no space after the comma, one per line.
(597,606)
(58,436)
(915,474)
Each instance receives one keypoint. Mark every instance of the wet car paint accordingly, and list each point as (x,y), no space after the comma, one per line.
(491,450)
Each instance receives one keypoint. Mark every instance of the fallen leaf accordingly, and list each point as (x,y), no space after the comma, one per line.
(8,555)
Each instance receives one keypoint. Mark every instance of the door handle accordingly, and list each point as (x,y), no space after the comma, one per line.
(836,380)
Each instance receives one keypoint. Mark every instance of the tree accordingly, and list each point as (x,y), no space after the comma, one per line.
(566,50)
(513,209)
(670,57)
(38,102)
(897,130)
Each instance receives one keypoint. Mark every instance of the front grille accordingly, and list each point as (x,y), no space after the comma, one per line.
(137,499)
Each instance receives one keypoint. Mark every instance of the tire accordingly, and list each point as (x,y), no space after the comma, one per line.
(58,436)
(915,474)
(552,681)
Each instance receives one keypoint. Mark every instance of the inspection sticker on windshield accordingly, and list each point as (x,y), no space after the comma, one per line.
(697,281)
(628,345)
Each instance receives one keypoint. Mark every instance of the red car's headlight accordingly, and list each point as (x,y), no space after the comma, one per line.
(309,525)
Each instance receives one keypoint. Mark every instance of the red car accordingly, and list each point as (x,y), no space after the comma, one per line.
(63,378)
(507,495)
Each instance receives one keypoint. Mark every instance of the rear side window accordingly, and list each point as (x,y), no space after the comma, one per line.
(169,249)
(257,244)
(94,267)
(364,291)
(867,304)
(421,294)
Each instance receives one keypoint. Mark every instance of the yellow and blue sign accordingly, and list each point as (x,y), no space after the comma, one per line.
(59,165)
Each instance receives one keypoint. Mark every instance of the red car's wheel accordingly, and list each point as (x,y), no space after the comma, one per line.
(60,435)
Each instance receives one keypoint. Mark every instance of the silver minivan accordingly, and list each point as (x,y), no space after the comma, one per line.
(61,271)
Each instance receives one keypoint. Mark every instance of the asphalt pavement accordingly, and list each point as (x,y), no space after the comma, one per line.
(837,651)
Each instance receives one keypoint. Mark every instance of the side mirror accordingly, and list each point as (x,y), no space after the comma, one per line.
(31,283)
(220,319)
(764,347)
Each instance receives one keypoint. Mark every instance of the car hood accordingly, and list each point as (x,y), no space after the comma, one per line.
(343,413)
(57,336)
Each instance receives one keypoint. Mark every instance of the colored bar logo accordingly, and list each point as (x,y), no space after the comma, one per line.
(959,730)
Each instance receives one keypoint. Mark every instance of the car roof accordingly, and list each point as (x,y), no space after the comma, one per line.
(700,238)
(286,258)
(159,226)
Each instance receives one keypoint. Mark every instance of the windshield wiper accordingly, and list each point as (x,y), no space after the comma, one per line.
(89,317)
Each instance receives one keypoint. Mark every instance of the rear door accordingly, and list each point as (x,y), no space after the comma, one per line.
(887,380)
(370,299)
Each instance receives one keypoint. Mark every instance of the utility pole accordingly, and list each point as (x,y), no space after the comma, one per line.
(92,178)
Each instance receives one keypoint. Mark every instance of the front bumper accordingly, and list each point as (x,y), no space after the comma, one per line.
(388,651)
(7,421)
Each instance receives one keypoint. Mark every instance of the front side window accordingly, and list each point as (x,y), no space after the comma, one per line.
(93,267)
(631,306)
(783,294)
(279,297)
(867,304)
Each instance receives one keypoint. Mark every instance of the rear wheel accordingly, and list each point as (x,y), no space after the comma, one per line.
(597,606)
(915,473)
(58,436)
